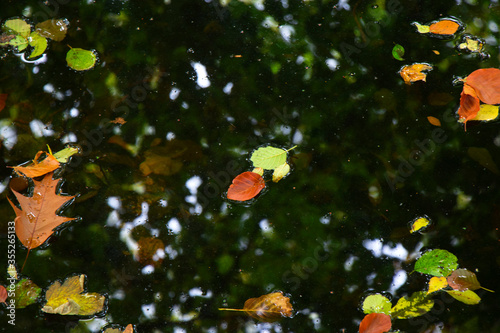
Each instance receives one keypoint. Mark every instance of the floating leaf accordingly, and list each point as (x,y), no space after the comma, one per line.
(3,294)
(53,29)
(463,279)
(281,172)
(398,52)
(471,44)
(3,99)
(39,44)
(267,308)
(17,27)
(80,59)
(419,223)
(443,28)
(469,104)
(468,297)
(63,155)
(269,158)
(36,168)
(415,305)
(70,298)
(37,218)
(245,186)
(434,121)
(486,84)
(437,283)
(483,157)
(12,271)
(414,72)
(19,42)
(375,323)
(487,112)
(377,303)
(113,329)
(258,171)
(27,293)
(436,262)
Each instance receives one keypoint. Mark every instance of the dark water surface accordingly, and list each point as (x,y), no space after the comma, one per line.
(201,85)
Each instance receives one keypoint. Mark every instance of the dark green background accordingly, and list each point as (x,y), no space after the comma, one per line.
(359,123)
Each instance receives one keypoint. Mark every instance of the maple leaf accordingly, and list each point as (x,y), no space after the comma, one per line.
(37,218)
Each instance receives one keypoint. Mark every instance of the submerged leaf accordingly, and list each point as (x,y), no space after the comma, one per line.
(377,303)
(245,186)
(375,323)
(434,121)
(483,157)
(437,283)
(267,308)
(468,297)
(415,305)
(80,59)
(70,298)
(436,262)
(414,72)
(53,29)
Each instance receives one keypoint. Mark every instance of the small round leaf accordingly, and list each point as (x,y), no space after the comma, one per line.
(80,59)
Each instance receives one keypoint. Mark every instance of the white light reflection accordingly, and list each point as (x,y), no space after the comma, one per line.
(201,75)
(143,218)
(8,134)
(174,93)
(147,270)
(332,64)
(227,88)
(174,226)
(198,292)
(398,280)
(149,310)
(39,129)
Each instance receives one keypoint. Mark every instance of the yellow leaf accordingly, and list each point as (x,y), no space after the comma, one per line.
(70,298)
(421,28)
(437,283)
(419,223)
(467,297)
(267,308)
(281,172)
(258,171)
(414,72)
(487,112)
(62,156)
(415,305)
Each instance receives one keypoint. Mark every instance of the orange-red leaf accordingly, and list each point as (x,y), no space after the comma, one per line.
(37,169)
(414,72)
(3,98)
(3,294)
(444,27)
(469,104)
(37,218)
(375,323)
(486,83)
(245,186)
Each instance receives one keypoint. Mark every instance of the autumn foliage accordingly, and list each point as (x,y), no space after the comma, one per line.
(375,323)
(245,186)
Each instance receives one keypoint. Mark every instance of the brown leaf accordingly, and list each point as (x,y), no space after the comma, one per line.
(37,218)
(37,169)
(148,246)
(414,72)
(267,308)
(463,279)
(53,29)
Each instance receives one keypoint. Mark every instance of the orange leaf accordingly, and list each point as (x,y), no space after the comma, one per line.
(375,323)
(414,72)
(469,104)
(434,121)
(267,308)
(37,169)
(3,98)
(37,218)
(444,27)
(486,83)
(245,186)
(3,294)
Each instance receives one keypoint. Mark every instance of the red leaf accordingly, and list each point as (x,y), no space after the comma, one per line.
(375,323)
(486,83)
(3,294)
(3,98)
(469,104)
(245,186)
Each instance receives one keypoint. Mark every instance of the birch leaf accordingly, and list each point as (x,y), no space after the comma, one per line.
(18,27)
(281,172)
(468,297)
(437,283)
(269,158)
(53,29)
(375,323)
(436,262)
(376,303)
(245,186)
(419,224)
(80,59)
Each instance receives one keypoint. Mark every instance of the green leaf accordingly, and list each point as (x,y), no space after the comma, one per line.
(80,59)
(269,157)
(19,42)
(53,29)
(415,305)
(377,304)
(39,43)
(18,27)
(398,52)
(26,293)
(62,156)
(467,297)
(437,262)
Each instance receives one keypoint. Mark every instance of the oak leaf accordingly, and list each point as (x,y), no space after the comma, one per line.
(267,308)
(37,218)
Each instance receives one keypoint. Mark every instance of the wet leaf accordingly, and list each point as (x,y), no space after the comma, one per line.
(37,218)
(3,294)
(398,52)
(70,298)
(3,98)
(39,44)
(258,171)
(375,323)
(443,28)
(267,308)
(436,262)
(38,168)
(5,39)
(471,44)
(54,29)
(486,84)
(63,155)
(437,283)
(245,186)
(419,223)
(20,43)
(17,27)
(281,172)
(376,303)
(128,329)
(27,293)
(269,158)
(469,104)
(434,121)
(80,59)
(12,271)
(468,297)
(414,72)
(415,305)
(483,157)
(487,112)
(463,279)
(149,248)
